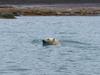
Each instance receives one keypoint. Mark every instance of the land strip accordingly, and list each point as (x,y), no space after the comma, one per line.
(52,10)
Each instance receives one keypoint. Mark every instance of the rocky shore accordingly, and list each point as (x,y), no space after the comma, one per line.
(50,11)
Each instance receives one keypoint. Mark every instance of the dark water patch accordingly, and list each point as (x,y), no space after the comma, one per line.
(79,45)
(17,69)
(65,32)
(11,71)
(62,68)
(61,33)
(4,72)
(87,47)
(51,46)
(12,32)
(12,49)
(10,62)
(36,41)
(74,42)
(71,60)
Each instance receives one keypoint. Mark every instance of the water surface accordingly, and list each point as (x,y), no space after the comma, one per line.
(22,53)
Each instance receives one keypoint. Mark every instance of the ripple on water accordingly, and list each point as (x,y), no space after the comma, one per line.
(21,46)
(68,43)
(12,69)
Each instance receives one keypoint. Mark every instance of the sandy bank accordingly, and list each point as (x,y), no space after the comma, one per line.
(50,10)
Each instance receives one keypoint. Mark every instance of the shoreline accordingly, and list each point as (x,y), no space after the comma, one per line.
(51,10)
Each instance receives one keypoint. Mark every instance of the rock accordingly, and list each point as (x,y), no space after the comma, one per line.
(7,16)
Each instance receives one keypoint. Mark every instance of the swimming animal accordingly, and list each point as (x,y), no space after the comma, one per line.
(50,41)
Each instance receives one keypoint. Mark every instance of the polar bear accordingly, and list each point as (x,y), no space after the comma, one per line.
(50,41)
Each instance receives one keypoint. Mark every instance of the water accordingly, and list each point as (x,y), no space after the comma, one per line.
(22,53)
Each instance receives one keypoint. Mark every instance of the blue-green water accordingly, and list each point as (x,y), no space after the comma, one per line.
(22,53)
